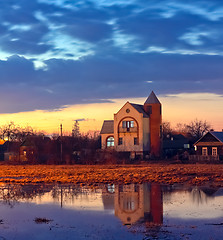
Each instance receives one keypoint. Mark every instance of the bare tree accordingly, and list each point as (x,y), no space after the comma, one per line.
(13,132)
(166,129)
(181,128)
(197,128)
(8,131)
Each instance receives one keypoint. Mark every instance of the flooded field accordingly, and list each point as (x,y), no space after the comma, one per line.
(132,211)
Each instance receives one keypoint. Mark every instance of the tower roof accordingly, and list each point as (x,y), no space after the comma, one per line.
(152,99)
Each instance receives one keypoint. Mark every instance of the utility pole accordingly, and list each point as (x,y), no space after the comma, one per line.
(61,130)
(61,197)
(61,145)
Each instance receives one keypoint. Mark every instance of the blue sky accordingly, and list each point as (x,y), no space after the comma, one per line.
(55,53)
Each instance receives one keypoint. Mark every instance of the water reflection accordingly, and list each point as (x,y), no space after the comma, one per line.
(139,203)
(132,203)
(147,206)
(11,194)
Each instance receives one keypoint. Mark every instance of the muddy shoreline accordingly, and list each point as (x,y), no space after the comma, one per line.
(192,174)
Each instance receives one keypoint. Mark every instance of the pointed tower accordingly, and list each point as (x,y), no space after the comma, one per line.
(153,108)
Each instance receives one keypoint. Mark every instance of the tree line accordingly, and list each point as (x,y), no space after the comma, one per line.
(193,130)
(73,147)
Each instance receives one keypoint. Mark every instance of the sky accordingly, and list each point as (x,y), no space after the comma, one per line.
(67,60)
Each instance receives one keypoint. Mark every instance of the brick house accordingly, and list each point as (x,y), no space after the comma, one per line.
(135,129)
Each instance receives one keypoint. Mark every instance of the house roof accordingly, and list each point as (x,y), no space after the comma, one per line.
(217,135)
(152,99)
(140,109)
(177,141)
(11,146)
(107,127)
(28,142)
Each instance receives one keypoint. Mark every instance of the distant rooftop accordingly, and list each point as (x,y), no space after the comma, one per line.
(152,99)
(107,127)
(140,109)
(218,135)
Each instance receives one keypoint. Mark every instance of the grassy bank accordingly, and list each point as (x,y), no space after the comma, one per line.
(193,174)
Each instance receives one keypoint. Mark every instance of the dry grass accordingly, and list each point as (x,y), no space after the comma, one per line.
(42,220)
(194,174)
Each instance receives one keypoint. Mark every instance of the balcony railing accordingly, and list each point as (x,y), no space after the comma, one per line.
(128,130)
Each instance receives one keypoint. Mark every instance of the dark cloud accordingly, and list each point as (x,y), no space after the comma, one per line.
(157,31)
(88,30)
(23,47)
(74,82)
(17,70)
(27,41)
(81,119)
(18,12)
(116,65)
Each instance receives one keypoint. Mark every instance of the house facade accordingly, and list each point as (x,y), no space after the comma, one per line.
(210,146)
(136,128)
(139,203)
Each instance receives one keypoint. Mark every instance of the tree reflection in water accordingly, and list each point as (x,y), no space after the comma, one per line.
(139,207)
(134,204)
(12,194)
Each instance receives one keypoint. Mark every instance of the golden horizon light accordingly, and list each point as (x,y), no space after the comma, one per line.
(177,108)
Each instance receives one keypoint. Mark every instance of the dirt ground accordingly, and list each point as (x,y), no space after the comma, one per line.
(193,174)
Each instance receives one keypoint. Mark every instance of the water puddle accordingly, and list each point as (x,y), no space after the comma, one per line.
(134,211)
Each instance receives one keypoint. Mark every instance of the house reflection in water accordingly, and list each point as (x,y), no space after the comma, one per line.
(139,203)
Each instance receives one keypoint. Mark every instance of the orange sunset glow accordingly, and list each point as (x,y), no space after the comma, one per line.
(179,108)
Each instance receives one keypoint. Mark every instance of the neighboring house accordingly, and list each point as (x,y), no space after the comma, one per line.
(11,151)
(36,149)
(210,146)
(175,144)
(136,129)
(28,151)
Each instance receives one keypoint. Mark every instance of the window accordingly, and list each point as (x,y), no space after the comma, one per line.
(204,151)
(136,142)
(214,151)
(110,142)
(128,125)
(120,141)
(24,153)
(187,145)
(129,203)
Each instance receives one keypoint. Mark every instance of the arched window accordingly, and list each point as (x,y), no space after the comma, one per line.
(110,142)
